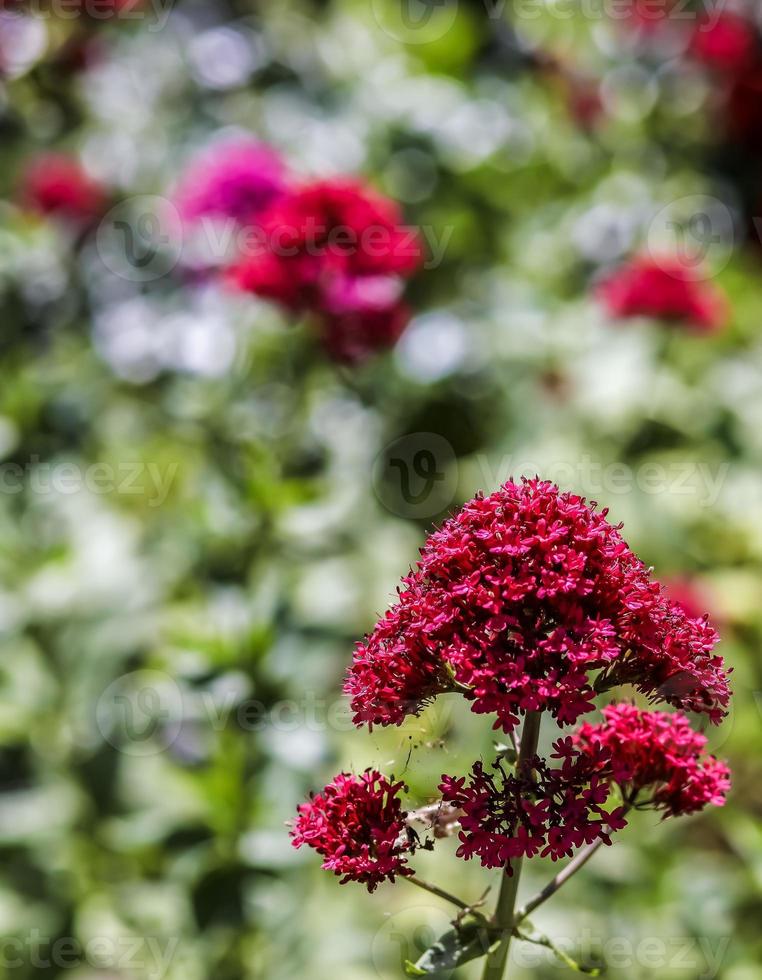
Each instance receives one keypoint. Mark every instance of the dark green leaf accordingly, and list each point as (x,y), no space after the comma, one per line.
(467,940)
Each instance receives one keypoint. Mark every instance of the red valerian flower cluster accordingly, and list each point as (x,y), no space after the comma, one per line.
(664,288)
(530,600)
(545,810)
(658,753)
(357,823)
(57,184)
(554,810)
(339,250)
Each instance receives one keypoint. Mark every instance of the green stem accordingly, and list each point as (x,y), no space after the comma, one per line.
(560,879)
(565,874)
(494,968)
(439,892)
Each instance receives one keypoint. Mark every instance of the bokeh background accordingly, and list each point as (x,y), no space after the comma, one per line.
(200,512)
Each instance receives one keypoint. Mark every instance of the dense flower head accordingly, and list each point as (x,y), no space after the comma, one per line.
(543,810)
(236,178)
(665,288)
(358,825)
(57,184)
(659,754)
(339,250)
(530,600)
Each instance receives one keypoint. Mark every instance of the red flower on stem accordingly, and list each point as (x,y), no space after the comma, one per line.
(654,759)
(659,754)
(358,825)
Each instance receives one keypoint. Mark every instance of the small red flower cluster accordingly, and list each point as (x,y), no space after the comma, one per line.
(554,810)
(517,602)
(57,184)
(339,250)
(545,810)
(357,823)
(658,752)
(664,288)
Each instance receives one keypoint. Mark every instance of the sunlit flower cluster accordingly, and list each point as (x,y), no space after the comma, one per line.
(656,754)
(543,810)
(530,600)
(357,824)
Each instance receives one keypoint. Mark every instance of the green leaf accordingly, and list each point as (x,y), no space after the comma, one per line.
(540,939)
(467,940)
